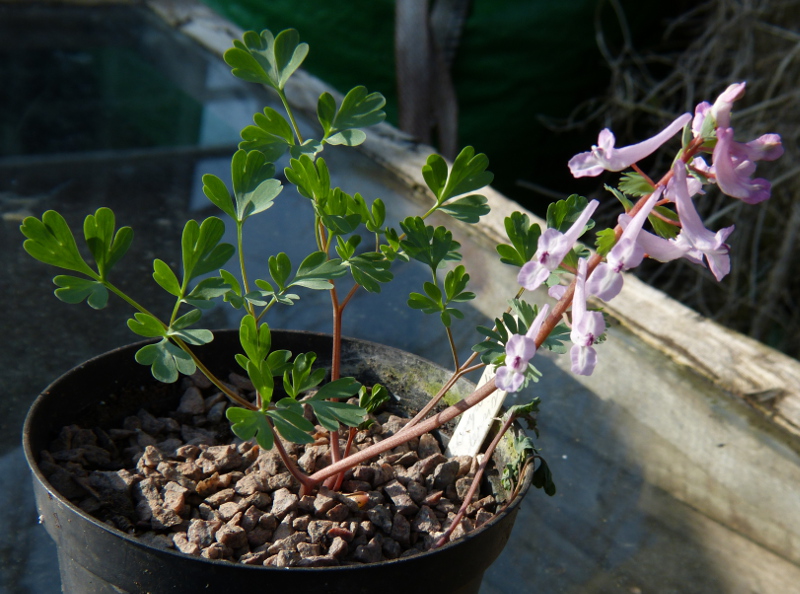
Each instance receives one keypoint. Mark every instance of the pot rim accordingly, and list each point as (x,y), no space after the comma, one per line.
(31,459)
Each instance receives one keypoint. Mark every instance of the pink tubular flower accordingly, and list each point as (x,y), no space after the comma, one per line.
(520,349)
(551,249)
(658,248)
(694,237)
(606,280)
(604,157)
(700,113)
(734,164)
(587,326)
(721,110)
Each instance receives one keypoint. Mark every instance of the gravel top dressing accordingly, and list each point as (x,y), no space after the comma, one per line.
(183,481)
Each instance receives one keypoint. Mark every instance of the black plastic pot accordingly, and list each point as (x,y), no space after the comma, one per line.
(96,558)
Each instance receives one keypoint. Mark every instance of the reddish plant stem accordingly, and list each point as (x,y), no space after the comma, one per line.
(337,334)
(350,437)
(349,296)
(305,483)
(476,481)
(395,440)
(440,394)
(338,310)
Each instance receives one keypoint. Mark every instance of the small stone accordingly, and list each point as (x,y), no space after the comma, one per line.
(318,561)
(241,382)
(464,527)
(366,528)
(284,529)
(187,452)
(169,445)
(307,549)
(401,530)
(111,481)
(220,497)
(261,500)
(192,402)
(308,461)
(338,513)
(175,497)
(184,545)
(391,548)
(416,491)
(289,543)
(286,559)
(234,537)
(283,501)
(428,446)
(269,461)
(393,425)
(150,458)
(282,480)
(368,553)
(426,521)
(251,483)
(217,550)
(253,558)
(365,474)
(482,517)
(323,504)
(445,474)
(220,458)
(408,459)
(425,467)
(381,517)
(306,503)
(251,517)
(217,412)
(202,532)
(338,548)
(400,498)
(197,435)
(228,510)
(258,536)
(200,380)
(318,529)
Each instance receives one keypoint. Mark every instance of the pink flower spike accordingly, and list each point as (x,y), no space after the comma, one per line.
(587,326)
(553,246)
(733,170)
(604,157)
(721,110)
(694,237)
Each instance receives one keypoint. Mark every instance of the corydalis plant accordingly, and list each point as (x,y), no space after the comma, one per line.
(353,248)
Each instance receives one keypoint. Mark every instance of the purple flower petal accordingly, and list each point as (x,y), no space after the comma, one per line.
(586,327)
(604,157)
(693,232)
(584,360)
(733,171)
(553,246)
(605,283)
(721,110)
